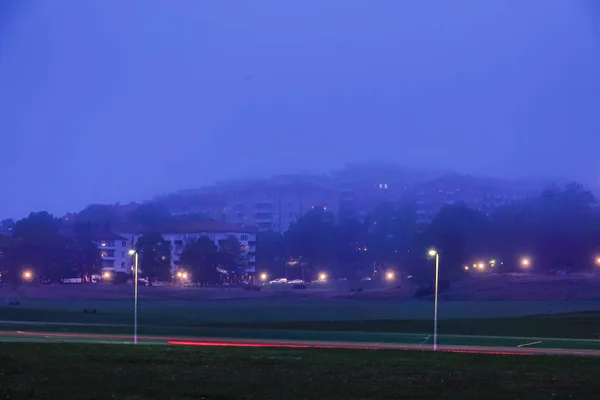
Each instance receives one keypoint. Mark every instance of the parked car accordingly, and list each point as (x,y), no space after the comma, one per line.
(278,281)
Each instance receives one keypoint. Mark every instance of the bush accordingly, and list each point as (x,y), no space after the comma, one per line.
(424,290)
(428,289)
(120,278)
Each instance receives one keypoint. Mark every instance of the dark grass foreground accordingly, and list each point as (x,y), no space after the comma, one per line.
(77,371)
(581,325)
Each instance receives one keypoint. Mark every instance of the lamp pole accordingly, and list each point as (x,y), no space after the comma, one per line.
(135,296)
(435,306)
(436,254)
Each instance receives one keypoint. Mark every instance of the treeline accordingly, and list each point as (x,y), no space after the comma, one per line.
(559,230)
(38,246)
(44,248)
(202,260)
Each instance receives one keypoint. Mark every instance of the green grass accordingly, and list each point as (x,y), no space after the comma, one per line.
(77,371)
(176,312)
(349,320)
(569,331)
(584,325)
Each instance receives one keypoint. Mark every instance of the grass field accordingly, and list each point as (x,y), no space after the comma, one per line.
(562,331)
(480,323)
(75,371)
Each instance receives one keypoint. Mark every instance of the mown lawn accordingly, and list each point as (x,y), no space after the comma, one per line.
(582,325)
(85,371)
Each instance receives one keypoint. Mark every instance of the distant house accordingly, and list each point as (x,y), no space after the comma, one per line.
(180,233)
(114,249)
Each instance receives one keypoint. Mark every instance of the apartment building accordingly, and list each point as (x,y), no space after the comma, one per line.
(484,194)
(276,204)
(114,250)
(179,234)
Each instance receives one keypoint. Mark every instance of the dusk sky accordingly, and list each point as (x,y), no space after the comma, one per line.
(118,100)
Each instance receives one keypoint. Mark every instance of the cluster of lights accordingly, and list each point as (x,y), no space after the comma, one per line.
(182,274)
(525,262)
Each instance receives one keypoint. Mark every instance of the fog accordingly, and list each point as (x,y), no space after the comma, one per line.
(105,101)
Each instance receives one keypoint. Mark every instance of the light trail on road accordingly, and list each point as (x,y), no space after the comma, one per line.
(53,337)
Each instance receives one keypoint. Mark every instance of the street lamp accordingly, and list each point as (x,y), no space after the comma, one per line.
(390,276)
(322,276)
(135,296)
(27,275)
(436,254)
(263,276)
(525,262)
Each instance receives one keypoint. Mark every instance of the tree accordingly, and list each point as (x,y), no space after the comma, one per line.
(231,256)
(560,229)
(458,233)
(7,226)
(352,236)
(312,242)
(84,256)
(150,215)
(200,257)
(99,215)
(271,253)
(392,233)
(38,246)
(154,257)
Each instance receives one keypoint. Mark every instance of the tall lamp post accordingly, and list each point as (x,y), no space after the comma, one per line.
(436,254)
(135,296)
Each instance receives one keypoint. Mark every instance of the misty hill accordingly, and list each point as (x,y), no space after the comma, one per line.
(276,202)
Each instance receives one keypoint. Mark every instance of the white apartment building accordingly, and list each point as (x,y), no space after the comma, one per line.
(178,235)
(114,250)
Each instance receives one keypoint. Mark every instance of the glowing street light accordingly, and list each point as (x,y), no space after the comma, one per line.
(322,276)
(135,295)
(264,276)
(27,275)
(390,276)
(525,262)
(106,275)
(466,267)
(481,265)
(598,260)
(434,253)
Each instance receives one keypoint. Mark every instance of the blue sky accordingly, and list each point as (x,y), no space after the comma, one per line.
(113,100)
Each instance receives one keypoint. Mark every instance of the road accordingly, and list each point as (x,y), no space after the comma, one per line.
(53,337)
